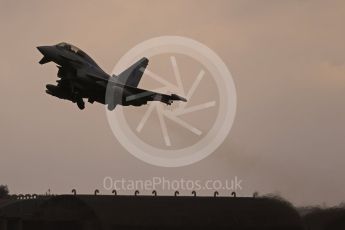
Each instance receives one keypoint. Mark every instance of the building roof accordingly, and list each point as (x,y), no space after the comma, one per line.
(111,211)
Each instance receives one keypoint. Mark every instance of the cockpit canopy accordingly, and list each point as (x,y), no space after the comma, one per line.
(76,50)
(72,48)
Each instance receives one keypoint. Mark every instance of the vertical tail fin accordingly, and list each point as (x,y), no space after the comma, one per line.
(133,74)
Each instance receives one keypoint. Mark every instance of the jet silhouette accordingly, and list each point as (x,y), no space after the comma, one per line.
(81,77)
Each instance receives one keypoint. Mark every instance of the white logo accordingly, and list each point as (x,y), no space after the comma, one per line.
(185,132)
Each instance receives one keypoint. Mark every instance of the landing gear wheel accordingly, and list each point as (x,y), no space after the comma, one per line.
(81,104)
(111,106)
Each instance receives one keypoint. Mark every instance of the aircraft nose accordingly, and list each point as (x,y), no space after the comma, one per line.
(48,54)
(43,49)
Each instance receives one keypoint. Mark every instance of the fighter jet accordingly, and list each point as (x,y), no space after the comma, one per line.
(81,77)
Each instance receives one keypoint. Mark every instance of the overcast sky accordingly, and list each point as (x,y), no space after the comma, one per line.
(287,59)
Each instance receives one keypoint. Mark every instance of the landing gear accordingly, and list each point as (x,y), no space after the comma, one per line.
(111,106)
(79,100)
(80,103)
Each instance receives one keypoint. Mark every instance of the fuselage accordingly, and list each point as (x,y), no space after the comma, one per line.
(81,77)
(75,69)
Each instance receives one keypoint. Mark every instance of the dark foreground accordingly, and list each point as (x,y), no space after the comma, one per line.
(159,212)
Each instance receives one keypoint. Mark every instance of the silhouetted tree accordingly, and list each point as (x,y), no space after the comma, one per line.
(3,191)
